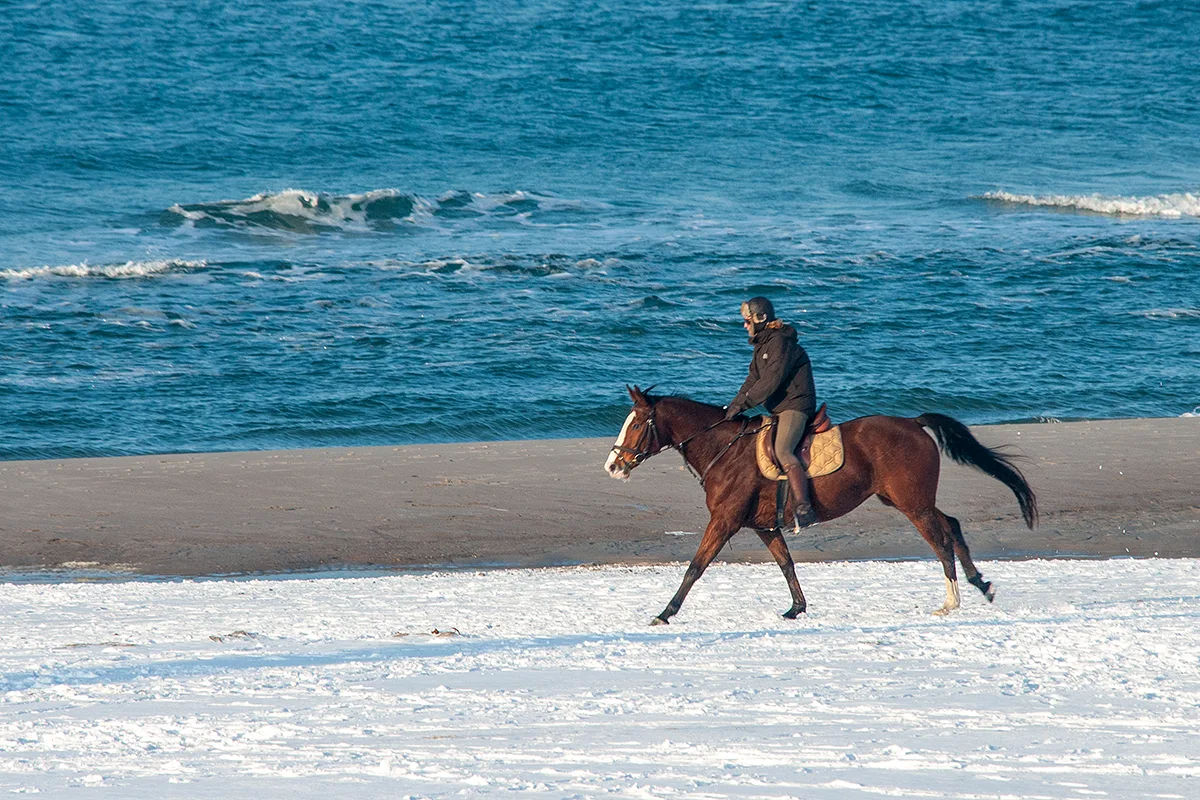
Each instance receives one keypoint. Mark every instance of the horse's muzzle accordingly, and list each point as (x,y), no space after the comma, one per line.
(618,467)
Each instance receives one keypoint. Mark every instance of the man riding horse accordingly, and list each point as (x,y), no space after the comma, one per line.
(781,380)
(891,458)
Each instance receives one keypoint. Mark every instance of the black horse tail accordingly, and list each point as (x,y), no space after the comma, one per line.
(958,443)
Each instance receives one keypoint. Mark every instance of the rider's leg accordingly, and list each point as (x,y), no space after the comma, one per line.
(791,429)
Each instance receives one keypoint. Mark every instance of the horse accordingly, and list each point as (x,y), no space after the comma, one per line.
(889,457)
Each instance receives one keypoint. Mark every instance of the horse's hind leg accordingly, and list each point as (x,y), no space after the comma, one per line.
(974,576)
(774,541)
(936,530)
(716,535)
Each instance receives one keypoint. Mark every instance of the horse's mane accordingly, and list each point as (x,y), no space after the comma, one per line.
(655,398)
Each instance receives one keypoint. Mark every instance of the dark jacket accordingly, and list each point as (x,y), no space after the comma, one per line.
(780,374)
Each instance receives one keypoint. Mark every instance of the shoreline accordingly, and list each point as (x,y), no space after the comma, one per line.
(1107,488)
(1033,421)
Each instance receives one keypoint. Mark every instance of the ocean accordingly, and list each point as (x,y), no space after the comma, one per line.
(253,225)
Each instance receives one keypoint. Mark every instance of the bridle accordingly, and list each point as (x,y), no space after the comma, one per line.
(646,448)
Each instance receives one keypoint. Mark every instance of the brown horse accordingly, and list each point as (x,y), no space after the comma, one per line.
(890,457)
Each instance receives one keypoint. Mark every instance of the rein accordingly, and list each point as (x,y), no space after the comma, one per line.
(704,473)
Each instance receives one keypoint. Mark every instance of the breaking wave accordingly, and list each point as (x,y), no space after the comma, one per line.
(1164,205)
(130,269)
(299,211)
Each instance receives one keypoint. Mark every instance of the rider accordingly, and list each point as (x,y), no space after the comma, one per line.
(781,380)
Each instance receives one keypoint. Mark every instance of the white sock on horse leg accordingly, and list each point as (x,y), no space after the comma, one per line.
(953,598)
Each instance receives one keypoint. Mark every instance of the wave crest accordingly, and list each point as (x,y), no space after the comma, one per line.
(300,211)
(130,269)
(1163,205)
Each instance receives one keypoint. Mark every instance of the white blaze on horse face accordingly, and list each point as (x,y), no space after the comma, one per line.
(610,466)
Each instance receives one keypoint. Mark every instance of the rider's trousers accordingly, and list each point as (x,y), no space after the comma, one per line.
(791,428)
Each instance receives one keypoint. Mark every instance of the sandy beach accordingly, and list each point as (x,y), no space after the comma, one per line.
(1106,489)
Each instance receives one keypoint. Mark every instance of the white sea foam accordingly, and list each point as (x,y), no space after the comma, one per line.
(1168,313)
(130,269)
(1163,205)
(302,211)
(299,210)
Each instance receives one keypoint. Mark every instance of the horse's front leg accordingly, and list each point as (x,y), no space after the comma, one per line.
(774,541)
(716,535)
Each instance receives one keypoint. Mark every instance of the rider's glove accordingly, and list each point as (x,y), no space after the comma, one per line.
(730,412)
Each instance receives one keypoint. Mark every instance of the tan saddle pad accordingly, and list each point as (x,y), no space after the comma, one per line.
(821,453)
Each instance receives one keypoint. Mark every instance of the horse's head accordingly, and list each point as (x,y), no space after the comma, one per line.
(639,438)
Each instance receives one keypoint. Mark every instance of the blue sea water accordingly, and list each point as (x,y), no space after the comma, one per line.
(290,224)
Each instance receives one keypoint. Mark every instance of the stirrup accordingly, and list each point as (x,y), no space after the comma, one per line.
(805,518)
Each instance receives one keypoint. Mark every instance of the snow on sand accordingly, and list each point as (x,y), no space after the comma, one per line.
(1082,680)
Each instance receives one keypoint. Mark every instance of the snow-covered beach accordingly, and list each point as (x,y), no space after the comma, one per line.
(1082,680)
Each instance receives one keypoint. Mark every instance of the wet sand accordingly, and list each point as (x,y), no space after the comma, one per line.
(1106,489)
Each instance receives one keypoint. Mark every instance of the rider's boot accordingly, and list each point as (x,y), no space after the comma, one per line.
(798,482)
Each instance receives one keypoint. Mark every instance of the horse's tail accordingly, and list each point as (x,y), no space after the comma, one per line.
(957,442)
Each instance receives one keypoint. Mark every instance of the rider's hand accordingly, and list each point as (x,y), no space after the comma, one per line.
(730,412)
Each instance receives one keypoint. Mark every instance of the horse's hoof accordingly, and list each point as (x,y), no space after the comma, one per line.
(943,611)
(659,621)
(986,587)
(792,613)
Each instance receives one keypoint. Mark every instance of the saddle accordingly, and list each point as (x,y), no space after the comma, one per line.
(820,448)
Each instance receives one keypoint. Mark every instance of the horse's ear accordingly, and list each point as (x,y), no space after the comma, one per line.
(636,394)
